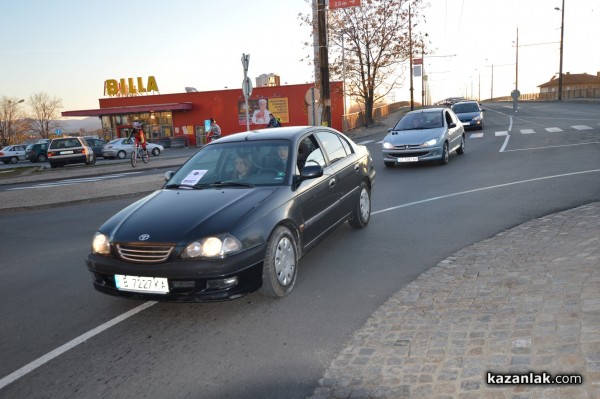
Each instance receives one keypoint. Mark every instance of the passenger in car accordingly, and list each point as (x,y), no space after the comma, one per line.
(241,168)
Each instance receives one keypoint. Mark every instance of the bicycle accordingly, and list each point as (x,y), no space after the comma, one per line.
(139,152)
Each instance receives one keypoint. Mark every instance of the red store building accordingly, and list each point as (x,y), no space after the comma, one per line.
(179,119)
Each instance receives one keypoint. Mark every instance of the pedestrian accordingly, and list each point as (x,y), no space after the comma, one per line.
(273,121)
(214,131)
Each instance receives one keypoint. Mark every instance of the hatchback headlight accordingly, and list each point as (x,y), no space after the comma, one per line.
(101,244)
(429,143)
(211,247)
(387,146)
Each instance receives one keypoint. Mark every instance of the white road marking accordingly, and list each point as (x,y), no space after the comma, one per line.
(554,129)
(527,131)
(552,146)
(393,208)
(581,127)
(476,135)
(365,142)
(15,375)
(504,133)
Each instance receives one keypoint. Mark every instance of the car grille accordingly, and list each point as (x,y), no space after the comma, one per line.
(144,253)
(395,154)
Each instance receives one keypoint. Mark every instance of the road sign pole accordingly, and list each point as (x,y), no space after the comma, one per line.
(246,87)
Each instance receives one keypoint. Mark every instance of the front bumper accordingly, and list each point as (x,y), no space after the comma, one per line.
(189,280)
(420,154)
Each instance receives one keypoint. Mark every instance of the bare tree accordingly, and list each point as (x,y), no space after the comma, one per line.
(367,44)
(45,114)
(10,116)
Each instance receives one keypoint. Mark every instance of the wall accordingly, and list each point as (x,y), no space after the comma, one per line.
(223,105)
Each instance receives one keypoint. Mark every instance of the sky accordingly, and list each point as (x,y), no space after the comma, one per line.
(68,48)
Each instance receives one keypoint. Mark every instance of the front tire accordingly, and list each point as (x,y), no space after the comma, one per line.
(121,154)
(42,158)
(280,267)
(445,155)
(362,213)
(155,152)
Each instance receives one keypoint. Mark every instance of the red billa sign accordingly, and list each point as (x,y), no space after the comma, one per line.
(333,4)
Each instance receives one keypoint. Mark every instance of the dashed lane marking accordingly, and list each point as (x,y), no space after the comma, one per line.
(527,131)
(504,133)
(554,129)
(581,127)
(365,142)
(476,135)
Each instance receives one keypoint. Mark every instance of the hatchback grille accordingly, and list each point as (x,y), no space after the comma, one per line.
(144,253)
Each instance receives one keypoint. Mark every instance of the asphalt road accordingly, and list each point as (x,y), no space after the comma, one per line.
(257,347)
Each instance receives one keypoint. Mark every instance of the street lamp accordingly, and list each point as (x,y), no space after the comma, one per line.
(562,32)
(423,70)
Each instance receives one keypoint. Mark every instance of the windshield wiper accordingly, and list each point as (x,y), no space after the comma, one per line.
(224,184)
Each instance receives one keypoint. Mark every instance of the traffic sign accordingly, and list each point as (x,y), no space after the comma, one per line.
(247,87)
(57,131)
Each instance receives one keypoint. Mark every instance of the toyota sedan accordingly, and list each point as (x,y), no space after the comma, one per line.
(236,217)
(425,135)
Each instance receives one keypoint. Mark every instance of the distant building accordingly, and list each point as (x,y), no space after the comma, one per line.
(268,80)
(574,85)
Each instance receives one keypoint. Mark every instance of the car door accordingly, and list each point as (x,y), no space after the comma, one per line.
(454,133)
(318,198)
(343,162)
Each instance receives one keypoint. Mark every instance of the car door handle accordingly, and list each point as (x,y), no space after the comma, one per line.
(332,183)
(356,167)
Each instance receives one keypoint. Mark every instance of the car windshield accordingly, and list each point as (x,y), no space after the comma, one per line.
(420,121)
(237,164)
(466,107)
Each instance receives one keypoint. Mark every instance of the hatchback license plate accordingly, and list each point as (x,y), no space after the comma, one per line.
(66,152)
(155,285)
(408,159)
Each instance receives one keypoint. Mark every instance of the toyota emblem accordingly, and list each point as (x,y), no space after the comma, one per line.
(144,237)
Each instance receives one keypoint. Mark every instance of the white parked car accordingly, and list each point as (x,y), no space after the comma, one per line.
(13,153)
(121,148)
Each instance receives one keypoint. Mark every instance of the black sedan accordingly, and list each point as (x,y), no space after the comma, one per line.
(236,217)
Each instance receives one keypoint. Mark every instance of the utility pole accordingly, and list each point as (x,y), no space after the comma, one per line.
(412,98)
(324,62)
(560,69)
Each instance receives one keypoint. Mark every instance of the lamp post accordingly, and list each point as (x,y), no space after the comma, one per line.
(562,32)
(423,70)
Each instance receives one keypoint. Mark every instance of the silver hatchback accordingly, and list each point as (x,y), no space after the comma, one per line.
(425,135)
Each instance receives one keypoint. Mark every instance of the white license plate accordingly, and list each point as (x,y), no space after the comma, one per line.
(155,285)
(408,159)
(66,152)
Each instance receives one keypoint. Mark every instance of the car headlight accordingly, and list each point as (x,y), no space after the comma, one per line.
(387,146)
(211,247)
(429,143)
(101,244)
(477,118)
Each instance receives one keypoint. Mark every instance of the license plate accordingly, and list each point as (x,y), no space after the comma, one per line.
(408,159)
(66,152)
(154,285)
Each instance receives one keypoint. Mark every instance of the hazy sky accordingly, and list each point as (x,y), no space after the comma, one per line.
(68,48)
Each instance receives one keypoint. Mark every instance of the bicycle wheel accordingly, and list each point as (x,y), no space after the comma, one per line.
(145,155)
(134,157)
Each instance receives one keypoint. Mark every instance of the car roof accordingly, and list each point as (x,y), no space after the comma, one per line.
(292,133)
(426,110)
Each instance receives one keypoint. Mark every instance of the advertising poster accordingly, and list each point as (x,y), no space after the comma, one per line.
(261,108)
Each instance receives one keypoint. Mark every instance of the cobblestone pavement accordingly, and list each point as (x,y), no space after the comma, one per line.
(526,300)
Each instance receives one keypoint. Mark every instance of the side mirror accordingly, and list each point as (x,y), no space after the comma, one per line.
(452,125)
(168,175)
(390,129)
(311,172)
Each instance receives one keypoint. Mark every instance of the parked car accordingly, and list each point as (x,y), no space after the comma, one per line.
(424,135)
(470,113)
(214,233)
(121,148)
(37,152)
(70,150)
(13,153)
(96,144)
